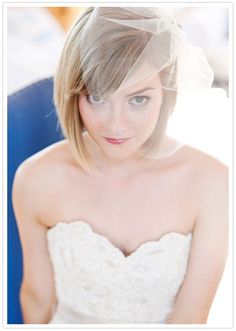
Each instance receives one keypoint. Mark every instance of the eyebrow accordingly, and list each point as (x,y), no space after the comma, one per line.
(141,91)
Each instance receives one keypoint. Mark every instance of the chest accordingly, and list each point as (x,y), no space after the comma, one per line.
(128,213)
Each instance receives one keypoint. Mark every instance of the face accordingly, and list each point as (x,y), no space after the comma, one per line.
(121,123)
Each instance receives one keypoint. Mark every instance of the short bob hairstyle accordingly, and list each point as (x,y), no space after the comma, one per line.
(69,80)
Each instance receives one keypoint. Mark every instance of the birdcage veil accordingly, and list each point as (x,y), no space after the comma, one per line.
(161,47)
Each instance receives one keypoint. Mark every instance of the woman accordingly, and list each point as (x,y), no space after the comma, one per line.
(121,223)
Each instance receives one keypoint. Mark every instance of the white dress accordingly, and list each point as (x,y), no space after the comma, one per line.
(96,283)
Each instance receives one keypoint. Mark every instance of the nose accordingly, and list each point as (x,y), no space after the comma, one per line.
(116,121)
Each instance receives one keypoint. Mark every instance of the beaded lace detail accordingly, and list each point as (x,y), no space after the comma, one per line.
(94,278)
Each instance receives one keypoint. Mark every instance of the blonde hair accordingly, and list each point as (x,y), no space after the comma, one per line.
(125,46)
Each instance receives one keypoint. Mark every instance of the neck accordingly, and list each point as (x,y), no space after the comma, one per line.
(112,167)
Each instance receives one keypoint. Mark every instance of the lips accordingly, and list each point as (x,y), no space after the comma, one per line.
(116,141)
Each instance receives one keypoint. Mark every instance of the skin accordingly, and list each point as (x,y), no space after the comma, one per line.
(184,192)
(123,114)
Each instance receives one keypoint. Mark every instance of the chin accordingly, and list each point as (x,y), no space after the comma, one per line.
(121,152)
(118,154)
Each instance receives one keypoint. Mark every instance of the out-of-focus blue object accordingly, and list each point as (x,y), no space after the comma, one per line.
(32,126)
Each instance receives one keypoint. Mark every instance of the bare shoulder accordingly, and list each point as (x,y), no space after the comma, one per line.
(39,165)
(204,169)
(209,180)
(39,176)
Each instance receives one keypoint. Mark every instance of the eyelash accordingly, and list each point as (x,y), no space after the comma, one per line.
(140,96)
(135,105)
(88,96)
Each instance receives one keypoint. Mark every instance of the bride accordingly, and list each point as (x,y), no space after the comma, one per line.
(120,222)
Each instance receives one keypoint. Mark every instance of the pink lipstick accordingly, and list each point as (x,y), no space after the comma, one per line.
(116,141)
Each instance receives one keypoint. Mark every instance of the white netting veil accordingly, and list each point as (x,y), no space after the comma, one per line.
(120,47)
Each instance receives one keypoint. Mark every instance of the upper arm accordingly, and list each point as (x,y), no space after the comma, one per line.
(208,252)
(27,198)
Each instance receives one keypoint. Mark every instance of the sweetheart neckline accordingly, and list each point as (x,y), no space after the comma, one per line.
(157,241)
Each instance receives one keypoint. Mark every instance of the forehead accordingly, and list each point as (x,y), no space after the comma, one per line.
(141,70)
(136,79)
(141,80)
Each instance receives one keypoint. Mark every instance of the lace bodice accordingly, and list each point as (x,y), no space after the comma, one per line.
(96,283)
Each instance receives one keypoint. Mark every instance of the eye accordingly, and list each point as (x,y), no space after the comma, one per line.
(95,99)
(139,100)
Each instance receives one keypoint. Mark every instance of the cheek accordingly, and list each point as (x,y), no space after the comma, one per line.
(150,121)
(153,113)
(90,121)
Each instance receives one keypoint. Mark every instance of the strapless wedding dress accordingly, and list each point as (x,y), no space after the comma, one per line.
(96,283)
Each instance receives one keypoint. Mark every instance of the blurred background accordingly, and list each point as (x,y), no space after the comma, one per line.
(35,39)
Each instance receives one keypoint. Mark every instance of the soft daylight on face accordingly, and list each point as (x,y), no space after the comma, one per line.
(129,113)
